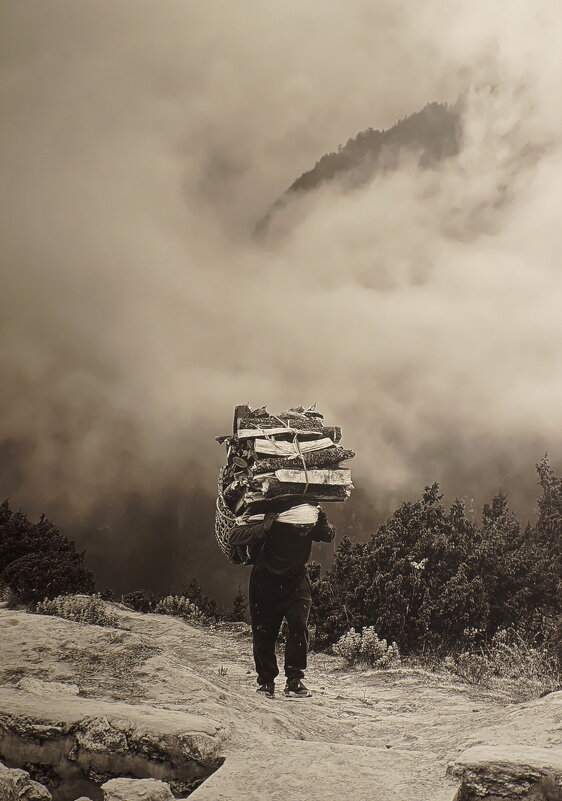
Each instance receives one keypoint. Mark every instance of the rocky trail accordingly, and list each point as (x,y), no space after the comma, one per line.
(157,697)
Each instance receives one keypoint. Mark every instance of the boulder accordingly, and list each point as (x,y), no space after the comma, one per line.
(136,790)
(17,785)
(509,773)
(112,738)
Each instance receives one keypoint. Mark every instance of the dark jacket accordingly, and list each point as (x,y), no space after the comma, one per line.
(279,548)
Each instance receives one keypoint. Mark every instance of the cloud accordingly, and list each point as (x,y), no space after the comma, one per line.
(142,142)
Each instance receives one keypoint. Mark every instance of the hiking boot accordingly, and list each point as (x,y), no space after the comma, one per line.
(267,689)
(296,689)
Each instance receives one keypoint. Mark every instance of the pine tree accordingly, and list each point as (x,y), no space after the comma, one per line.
(503,558)
(546,565)
(239,606)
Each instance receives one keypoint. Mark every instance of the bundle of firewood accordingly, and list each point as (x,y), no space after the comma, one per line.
(289,462)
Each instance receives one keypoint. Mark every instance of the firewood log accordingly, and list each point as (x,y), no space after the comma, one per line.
(298,422)
(275,447)
(274,488)
(340,478)
(329,457)
(281,432)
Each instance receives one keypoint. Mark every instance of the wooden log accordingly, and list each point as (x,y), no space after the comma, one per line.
(340,478)
(259,478)
(329,457)
(239,412)
(298,422)
(273,447)
(272,431)
(233,492)
(275,489)
(333,432)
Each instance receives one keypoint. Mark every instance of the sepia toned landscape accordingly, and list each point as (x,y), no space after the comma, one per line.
(339,220)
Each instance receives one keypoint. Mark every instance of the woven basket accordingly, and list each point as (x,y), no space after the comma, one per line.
(224,521)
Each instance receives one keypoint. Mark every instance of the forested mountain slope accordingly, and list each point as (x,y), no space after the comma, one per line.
(431,134)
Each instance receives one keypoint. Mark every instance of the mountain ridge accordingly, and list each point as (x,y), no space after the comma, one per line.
(434,132)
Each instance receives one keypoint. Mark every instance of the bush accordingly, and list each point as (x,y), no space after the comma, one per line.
(180,606)
(8,596)
(367,648)
(430,574)
(415,579)
(377,652)
(44,575)
(80,608)
(37,561)
(207,605)
(552,631)
(140,600)
(348,646)
(510,656)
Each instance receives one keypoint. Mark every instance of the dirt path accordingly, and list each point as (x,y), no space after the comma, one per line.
(397,729)
(403,712)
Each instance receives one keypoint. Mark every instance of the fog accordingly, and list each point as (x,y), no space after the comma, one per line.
(142,141)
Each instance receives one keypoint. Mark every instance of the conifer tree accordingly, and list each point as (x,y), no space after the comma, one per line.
(37,561)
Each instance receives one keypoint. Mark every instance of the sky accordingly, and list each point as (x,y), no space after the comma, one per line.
(142,141)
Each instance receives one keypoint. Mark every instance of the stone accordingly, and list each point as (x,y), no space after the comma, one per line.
(300,770)
(509,772)
(17,785)
(106,738)
(109,737)
(136,790)
(33,791)
(97,734)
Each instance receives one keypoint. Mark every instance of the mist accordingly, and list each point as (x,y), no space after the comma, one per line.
(141,143)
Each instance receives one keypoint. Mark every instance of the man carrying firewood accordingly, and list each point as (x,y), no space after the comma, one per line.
(280,588)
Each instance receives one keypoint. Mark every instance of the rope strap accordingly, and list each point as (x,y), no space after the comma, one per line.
(300,453)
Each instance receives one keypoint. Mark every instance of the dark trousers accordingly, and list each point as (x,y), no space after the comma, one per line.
(273,598)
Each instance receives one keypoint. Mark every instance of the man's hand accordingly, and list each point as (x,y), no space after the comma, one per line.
(269,520)
(323,531)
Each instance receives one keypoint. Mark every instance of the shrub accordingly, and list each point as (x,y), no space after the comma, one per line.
(37,561)
(348,646)
(7,595)
(140,600)
(44,575)
(415,579)
(180,606)
(207,605)
(552,639)
(377,652)
(430,574)
(80,608)
(510,656)
(367,648)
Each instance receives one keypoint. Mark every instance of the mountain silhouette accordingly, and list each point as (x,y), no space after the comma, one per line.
(433,133)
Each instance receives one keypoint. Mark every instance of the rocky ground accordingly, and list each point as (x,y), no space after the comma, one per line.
(158,698)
